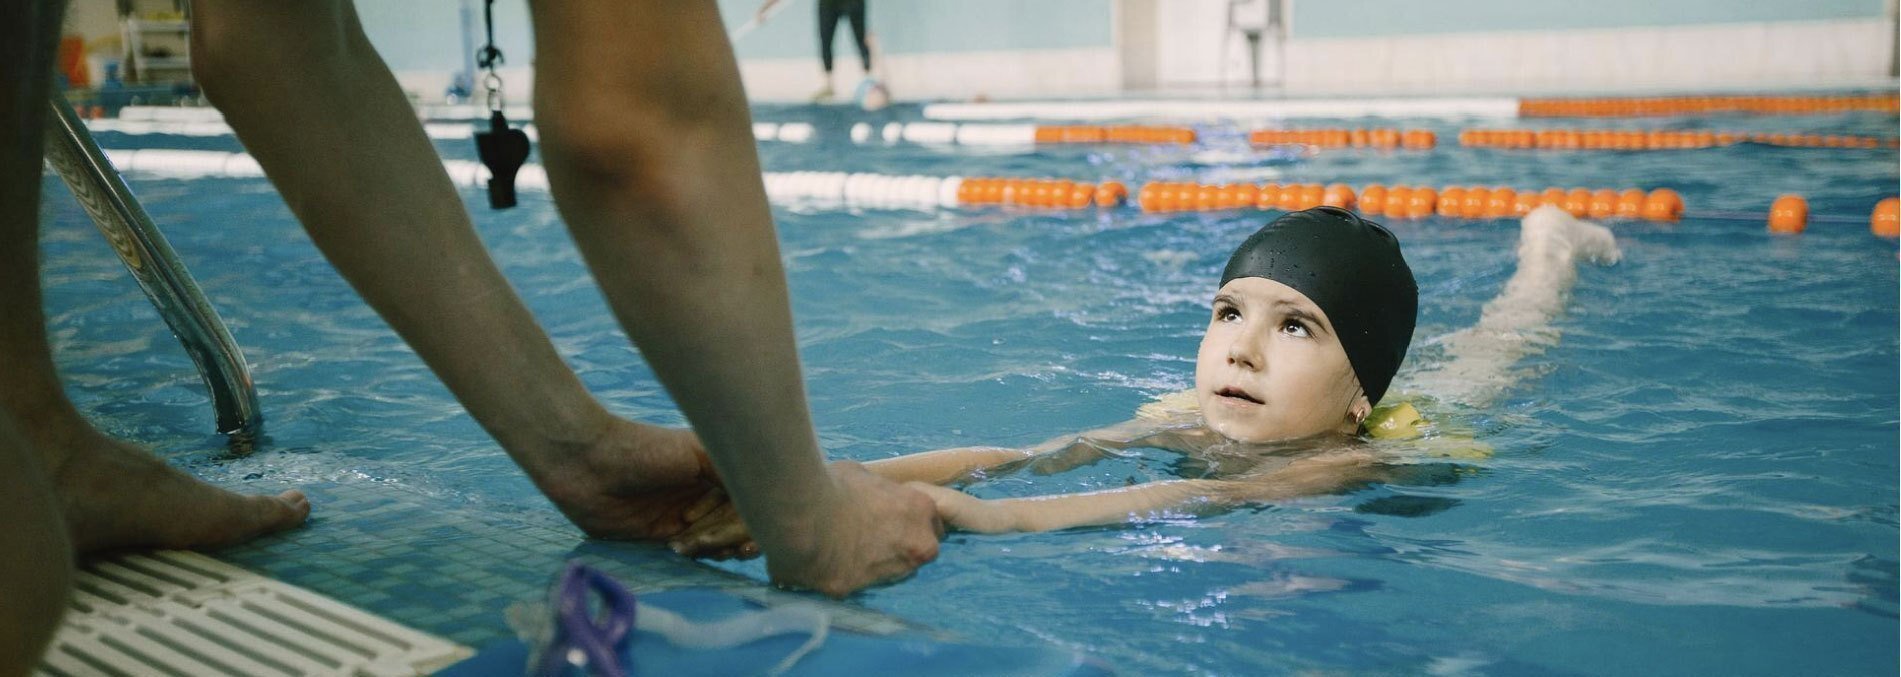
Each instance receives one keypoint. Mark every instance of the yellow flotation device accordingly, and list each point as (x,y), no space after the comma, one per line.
(1402,421)
(1168,406)
(1397,420)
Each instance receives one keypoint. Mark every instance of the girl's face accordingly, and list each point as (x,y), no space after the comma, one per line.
(1271,367)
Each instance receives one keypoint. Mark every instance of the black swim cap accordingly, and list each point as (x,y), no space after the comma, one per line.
(1352,269)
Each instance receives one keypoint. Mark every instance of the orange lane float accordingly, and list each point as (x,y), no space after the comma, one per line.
(1886,219)
(1688,105)
(1409,202)
(1630,204)
(1525,202)
(1663,204)
(1338,195)
(1266,195)
(1502,203)
(1345,138)
(1577,201)
(1655,139)
(1081,195)
(1603,204)
(1473,206)
(1311,195)
(1451,200)
(1422,203)
(1399,200)
(1066,134)
(1788,214)
(1038,193)
(1372,199)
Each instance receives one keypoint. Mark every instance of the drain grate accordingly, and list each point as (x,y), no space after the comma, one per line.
(182,613)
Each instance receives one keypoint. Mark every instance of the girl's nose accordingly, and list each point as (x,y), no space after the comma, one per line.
(1245,350)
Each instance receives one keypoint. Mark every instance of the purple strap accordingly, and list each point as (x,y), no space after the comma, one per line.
(598,640)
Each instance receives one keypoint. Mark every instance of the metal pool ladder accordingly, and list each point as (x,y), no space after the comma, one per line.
(71,152)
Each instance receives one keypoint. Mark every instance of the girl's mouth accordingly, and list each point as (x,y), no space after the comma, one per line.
(1239,394)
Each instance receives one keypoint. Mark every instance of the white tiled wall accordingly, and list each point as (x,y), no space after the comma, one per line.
(1176,46)
(953,75)
(1763,55)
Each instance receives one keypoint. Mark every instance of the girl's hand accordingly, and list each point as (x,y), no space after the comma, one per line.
(965,512)
(715,530)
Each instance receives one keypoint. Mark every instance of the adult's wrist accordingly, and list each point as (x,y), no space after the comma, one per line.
(796,525)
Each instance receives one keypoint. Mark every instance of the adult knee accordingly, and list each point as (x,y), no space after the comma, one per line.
(240,47)
(647,141)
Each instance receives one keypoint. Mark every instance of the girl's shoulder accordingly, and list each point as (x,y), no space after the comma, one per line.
(1170,407)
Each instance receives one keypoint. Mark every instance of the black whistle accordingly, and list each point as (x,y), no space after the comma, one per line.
(503,151)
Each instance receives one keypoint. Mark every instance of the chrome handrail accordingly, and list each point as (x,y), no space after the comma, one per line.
(71,153)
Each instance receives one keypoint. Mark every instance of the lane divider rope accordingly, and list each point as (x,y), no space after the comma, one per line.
(972,134)
(1278,109)
(1410,139)
(1695,105)
(1655,139)
(976,134)
(1789,213)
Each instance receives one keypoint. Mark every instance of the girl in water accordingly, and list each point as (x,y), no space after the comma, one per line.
(1312,319)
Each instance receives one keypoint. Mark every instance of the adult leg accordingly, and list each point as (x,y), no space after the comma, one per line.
(828,15)
(36,550)
(35,557)
(111,493)
(323,115)
(855,13)
(648,145)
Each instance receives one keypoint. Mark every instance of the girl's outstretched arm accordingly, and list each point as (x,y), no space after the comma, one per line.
(1518,322)
(960,464)
(716,530)
(946,466)
(1305,477)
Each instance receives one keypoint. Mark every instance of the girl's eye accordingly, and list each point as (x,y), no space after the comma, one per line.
(1227,314)
(1295,328)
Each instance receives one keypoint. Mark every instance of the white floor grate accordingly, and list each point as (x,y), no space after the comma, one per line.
(182,613)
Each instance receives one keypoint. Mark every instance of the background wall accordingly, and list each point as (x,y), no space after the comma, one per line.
(939,48)
(423,42)
(1604,45)
(1385,18)
(960,49)
(930,48)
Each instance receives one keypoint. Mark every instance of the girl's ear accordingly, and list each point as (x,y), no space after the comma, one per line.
(1359,410)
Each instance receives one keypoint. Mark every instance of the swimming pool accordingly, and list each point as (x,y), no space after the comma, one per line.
(1699,478)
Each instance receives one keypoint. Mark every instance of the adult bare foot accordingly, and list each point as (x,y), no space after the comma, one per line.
(630,481)
(114,495)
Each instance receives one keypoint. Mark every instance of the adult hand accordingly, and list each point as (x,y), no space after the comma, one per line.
(715,530)
(868,530)
(633,481)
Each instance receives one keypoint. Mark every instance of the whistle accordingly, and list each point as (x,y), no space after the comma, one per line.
(502,150)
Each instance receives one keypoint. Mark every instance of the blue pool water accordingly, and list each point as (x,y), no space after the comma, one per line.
(1700,478)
